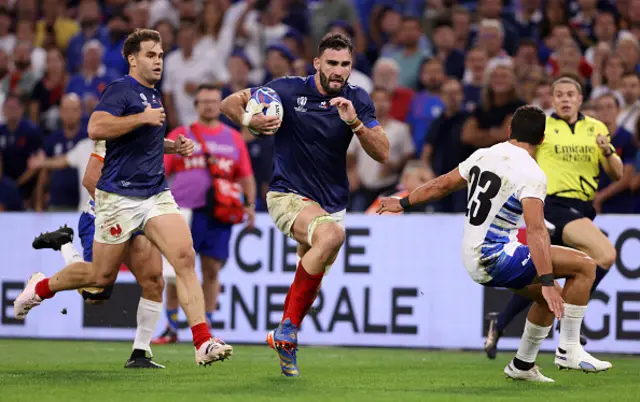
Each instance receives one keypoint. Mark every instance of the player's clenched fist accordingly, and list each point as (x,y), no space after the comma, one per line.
(184,146)
(154,117)
(264,124)
(345,108)
(603,143)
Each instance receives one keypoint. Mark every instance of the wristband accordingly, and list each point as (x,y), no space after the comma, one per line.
(246,119)
(250,205)
(355,130)
(609,154)
(547,280)
(404,203)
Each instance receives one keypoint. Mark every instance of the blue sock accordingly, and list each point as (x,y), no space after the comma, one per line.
(172,318)
(516,304)
(600,274)
(209,315)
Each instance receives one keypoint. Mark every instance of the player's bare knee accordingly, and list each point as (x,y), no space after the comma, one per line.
(328,238)
(608,258)
(103,279)
(184,260)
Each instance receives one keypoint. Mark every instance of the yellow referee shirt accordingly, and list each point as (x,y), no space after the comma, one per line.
(570,156)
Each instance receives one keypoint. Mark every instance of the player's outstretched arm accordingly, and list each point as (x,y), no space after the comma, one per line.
(540,249)
(375,143)
(432,190)
(105,126)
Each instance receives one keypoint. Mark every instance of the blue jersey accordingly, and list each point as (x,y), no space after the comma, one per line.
(311,144)
(134,164)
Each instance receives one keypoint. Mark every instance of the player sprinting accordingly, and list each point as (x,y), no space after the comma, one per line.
(505,183)
(133,194)
(143,258)
(309,189)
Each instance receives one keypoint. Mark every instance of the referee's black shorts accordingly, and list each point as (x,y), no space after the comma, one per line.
(559,211)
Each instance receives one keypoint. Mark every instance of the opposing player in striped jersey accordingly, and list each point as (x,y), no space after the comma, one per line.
(505,184)
(143,259)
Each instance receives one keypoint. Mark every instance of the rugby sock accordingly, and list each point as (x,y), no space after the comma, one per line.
(200,334)
(172,319)
(209,315)
(516,305)
(530,345)
(148,315)
(570,328)
(70,254)
(600,274)
(43,290)
(301,295)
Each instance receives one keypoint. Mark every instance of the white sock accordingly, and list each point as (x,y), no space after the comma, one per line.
(570,325)
(531,340)
(148,316)
(70,254)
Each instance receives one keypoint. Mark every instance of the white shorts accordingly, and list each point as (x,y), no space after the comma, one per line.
(285,207)
(118,217)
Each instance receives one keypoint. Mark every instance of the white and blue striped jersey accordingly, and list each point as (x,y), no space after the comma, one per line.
(498,178)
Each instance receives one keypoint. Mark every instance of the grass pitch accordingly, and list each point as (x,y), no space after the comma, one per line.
(43,371)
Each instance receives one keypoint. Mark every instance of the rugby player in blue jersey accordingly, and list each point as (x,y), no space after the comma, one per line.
(133,194)
(309,188)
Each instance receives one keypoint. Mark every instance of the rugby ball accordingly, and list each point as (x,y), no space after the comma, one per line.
(268,96)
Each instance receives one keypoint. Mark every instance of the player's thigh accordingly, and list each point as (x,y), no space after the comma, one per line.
(292,214)
(172,236)
(144,260)
(118,217)
(568,262)
(584,235)
(107,259)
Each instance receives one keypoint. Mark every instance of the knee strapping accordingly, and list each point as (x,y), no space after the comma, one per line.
(317,221)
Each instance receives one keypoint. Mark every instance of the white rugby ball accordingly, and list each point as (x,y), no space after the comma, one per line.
(268,96)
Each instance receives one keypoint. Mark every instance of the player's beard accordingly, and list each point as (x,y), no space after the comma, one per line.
(326,84)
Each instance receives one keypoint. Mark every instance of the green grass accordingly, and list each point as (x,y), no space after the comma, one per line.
(60,371)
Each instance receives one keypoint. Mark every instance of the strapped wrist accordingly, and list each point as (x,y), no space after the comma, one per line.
(246,119)
(405,203)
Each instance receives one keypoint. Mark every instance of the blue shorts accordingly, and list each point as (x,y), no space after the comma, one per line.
(512,271)
(210,237)
(86,231)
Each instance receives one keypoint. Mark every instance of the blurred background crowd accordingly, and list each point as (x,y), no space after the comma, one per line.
(445,77)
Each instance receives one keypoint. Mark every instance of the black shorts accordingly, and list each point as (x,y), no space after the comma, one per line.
(559,211)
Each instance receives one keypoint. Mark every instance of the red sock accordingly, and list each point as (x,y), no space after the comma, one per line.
(301,295)
(43,290)
(200,334)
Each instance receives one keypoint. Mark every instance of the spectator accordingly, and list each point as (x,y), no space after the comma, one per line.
(360,61)
(168,35)
(528,19)
(325,11)
(184,71)
(118,28)
(370,178)
(605,33)
(26,10)
(25,32)
(138,13)
(414,175)
(385,75)
(630,91)
(490,122)
(609,77)
(93,77)
(7,39)
(583,22)
(492,10)
(55,28)
(164,10)
(19,138)
(45,100)
(568,60)
(385,24)
(526,59)
(90,29)
(22,78)
(544,97)
(461,22)
(555,14)
(10,198)
(410,56)
(444,40)
(213,40)
(427,104)
(615,197)
(278,63)
(475,66)
(491,39)
(4,76)
(628,48)
(63,184)
(443,149)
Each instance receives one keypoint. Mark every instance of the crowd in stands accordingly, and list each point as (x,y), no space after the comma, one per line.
(445,77)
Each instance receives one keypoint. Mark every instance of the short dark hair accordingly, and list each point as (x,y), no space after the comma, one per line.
(630,73)
(380,89)
(133,41)
(207,86)
(568,78)
(334,41)
(412,18)
(528,124)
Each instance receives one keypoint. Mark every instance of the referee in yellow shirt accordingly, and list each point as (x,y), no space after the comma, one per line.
(574,148)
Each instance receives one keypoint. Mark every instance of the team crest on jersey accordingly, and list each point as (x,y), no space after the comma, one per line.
(145,102)
(302,101)
(323,105)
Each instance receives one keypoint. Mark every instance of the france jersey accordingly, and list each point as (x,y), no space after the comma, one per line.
(311,144)
(134,162)
(499,178)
